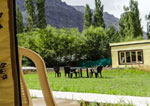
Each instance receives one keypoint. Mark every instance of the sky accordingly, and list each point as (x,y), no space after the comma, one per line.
(115,7)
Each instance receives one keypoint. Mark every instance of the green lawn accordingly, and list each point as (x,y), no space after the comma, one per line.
(117,82)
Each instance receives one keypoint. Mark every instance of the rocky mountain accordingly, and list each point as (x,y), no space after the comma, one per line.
(59,14)
(108,18)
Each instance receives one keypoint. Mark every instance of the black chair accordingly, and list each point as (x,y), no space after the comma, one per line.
(57,72)
(87,72)
(73,71)
(91,72)
(99,70)
(67,71)
(80,72)
(70,71)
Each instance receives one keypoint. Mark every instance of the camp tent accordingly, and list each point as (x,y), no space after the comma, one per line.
(9,76)
(12,85)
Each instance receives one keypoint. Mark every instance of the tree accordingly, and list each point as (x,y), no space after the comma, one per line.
(112,34)
(136,18)
(147,17)
(126,24)
(19,20)
(96,43)
(64,46)
(29,4)
(69,49)
(98,14)
(130,23)
(41,13)
(87,17)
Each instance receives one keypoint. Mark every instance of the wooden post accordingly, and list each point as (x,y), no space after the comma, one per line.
(136,53)
(131,57)
(125,57)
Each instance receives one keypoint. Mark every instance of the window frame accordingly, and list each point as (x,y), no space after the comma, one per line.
(131,63)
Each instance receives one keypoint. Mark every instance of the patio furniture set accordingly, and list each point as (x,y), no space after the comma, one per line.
(77,71)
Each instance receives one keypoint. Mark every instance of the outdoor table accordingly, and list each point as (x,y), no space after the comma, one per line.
(87,72)
(80,72)
(91,72)
(73,70)
(77,70)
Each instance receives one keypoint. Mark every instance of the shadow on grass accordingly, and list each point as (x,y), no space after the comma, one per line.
(105,77)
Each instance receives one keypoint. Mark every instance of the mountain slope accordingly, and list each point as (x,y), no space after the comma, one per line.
(108,18)
(59,14)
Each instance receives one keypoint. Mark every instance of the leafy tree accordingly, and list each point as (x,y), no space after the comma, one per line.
(147,17)
(29,4)
(61,47)
(130,24)
(72,45)
(96,43)
(87,17)
(98,14)
(127,25)
(113,35)
(19,20)
(136,18)
(41,13)
(67,46)
(29,40)
(48,37)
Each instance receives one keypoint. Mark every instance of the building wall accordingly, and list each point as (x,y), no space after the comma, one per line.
(144,47)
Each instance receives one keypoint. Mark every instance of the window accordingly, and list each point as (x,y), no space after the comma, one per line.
(131,57)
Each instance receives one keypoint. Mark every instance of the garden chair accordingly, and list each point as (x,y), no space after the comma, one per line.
(80,72)
(87,72)
(42,75)
(99,70)
(57,72)
(67,71)
(73,71)
(91,72)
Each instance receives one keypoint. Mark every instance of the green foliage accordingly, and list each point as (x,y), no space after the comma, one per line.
(29,4)
(98,14)
(41,13)
(96,43)
(67,46)
(72,43)
(136,18)
(130,22)
(33,20)
(113,35)
(19,20)
(126,25)
(56,46)
(87,17)
(29,40)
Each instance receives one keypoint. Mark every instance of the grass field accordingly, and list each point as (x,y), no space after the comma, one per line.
(118,82)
